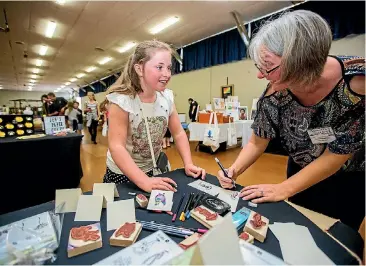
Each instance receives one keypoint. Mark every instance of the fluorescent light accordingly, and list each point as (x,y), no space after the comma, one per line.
(67,83)
(50,29)
(105,60)
(35,71)
(60,2)
(43,49)
(29,88)
(62,86)
(80,75)
(165,24)
(90,69)
(33,76)
(32,81)
(39,62)
(73,79)
(127,47)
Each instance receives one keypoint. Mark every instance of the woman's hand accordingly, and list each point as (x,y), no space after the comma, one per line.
(159,183)
(225,182)
(265,193)
(194,171)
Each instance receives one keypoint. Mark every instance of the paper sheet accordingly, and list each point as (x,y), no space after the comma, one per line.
(230,197)
(70,199)
(160,200)
(298,245)
(120,212)
(108,190)
(206,187)
(156,249)
(89,208)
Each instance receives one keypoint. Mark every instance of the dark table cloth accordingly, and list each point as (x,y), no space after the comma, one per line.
(32,169)
(275,212)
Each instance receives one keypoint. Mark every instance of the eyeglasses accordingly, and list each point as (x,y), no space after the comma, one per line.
(266,72)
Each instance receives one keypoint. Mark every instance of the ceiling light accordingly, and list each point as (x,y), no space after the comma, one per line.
(127,47)
(165,24)
(29,88)
(43,49)
(33,76)
(90,69)
(105,60)
(32,81)
(62,86)
(67,83)
(60,2)
(35,71)
(73,79)
(50,29)
(39,62)
(80,75)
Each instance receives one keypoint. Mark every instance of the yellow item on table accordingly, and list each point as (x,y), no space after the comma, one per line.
(2,134)
(19,119)
(20,132)
(28,124)
(1,120)
(9,126)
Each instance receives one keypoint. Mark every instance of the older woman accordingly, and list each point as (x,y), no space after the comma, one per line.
(315,105)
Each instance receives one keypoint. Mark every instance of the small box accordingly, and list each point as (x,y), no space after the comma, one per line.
(126,235)
(226,119)
(84,239)
(204,118)
(142,200)
(257,226)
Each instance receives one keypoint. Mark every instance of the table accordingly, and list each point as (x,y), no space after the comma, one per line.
(276,212)
(35,168)
(197,130)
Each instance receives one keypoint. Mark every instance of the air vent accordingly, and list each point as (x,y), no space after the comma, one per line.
(99,49)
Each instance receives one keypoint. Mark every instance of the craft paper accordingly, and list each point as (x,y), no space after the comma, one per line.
(160,200)
(120,212)
(206,187)
(68,197)
(230,197)
(107,190)
(89,208)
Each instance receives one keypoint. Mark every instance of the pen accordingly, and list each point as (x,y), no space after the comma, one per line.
(182,215)
(190,208)
(224,171)
(178,207)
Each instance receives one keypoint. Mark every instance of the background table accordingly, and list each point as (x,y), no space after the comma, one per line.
(275,212)
(32,169)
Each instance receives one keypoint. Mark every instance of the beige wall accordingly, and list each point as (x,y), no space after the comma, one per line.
(205,84)
(7,95)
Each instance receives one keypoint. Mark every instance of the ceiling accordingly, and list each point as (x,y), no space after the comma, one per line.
(84,25)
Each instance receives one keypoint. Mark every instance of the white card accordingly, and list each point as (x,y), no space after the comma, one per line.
(120,212)
(108,190)
(220,245)
(206,187)
(160,200)
(321,135)
(67,200)
(156,249)
(230,197)
(89,208)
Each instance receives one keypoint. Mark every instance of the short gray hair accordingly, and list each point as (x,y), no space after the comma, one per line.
(303,40)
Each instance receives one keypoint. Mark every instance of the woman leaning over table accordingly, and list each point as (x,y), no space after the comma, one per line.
(315,104)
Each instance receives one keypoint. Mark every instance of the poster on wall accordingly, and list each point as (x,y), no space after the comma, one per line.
(227,91)
(54,124)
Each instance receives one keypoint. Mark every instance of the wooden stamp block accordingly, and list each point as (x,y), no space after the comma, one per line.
(142,200)
(244,236)
(84,239)
(205,216)
(126,235)
(257,226)
(190,241)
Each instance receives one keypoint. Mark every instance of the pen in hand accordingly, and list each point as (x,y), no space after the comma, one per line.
(224,171)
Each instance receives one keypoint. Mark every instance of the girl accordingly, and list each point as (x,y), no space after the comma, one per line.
(92,116)
(140,92)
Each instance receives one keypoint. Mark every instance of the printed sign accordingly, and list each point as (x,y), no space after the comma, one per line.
(54,124)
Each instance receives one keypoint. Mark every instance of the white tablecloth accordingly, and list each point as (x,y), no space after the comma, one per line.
(197,130)
(246,132)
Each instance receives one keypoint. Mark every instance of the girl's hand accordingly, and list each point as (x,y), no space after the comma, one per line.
(194,171)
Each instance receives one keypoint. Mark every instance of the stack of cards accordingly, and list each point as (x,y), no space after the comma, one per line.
(298,245)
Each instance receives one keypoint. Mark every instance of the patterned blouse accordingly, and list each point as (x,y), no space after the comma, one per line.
(280,115)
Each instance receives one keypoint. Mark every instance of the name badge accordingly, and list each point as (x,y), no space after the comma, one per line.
(321,135)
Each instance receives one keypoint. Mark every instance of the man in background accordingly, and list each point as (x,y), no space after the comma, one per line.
(45,104)
(58,105)
(193,106)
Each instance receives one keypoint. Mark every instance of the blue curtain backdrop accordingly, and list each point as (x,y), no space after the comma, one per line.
(344,18)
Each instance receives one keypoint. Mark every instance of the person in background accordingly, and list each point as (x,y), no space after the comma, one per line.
(193,106)
(138,95)
(315,105)
(75,117)
(57,105)
(45,104)
(69,108)
(92,112)
(168,135)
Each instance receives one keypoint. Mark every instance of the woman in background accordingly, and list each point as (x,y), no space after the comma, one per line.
(92,116)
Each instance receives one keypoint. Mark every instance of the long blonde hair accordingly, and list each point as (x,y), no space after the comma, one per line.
(129,82)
